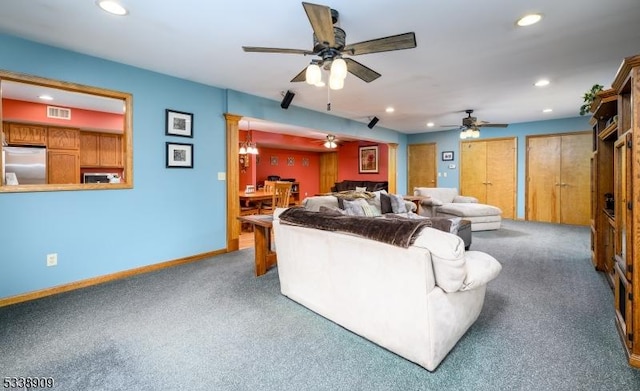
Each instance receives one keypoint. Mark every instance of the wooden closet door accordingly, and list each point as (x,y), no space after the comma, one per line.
(473,170)
(575,194)
(328,171)
(421,168)
(501,176)
(543,179)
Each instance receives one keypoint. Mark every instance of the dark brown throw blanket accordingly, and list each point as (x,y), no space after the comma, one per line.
(398,232)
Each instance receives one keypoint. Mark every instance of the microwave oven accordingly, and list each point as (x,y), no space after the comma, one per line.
(97,177)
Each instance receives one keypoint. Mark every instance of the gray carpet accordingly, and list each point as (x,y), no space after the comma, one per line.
(547,324)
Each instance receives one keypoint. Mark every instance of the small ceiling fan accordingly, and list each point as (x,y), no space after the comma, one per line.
(331,142)
(471,126)
(329,43)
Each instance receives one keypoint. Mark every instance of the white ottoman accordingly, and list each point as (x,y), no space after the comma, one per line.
(483,217)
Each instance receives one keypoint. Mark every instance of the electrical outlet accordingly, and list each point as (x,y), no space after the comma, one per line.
(52,259)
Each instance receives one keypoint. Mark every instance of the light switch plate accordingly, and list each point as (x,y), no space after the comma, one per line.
(222,176)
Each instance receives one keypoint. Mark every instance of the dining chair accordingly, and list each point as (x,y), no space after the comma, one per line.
(280,198)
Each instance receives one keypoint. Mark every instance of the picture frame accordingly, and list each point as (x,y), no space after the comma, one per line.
(368,160)
(179,155)
(178,123)
(447,156)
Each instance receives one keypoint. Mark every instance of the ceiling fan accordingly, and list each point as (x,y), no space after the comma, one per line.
(329,43)
(331,142)
(471,126)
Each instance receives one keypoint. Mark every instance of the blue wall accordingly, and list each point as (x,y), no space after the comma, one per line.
(450,141)
(170,213)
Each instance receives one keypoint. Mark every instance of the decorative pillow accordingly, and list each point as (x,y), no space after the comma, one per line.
(397,203)
(361,189)
(331,211)
(385,203)
(370,210)
(354,208)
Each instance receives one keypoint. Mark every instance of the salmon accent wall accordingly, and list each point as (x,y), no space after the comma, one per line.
(22,111)
(348,162)
(303,166)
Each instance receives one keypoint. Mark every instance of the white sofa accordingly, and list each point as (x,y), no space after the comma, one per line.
(416,302)
(445,202)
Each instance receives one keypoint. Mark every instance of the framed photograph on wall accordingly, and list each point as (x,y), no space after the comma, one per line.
(179,155)
(447,156)
(179,123)
(368,160)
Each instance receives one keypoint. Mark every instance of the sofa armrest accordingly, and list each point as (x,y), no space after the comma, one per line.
(481,268)
(465,199)
(429,202)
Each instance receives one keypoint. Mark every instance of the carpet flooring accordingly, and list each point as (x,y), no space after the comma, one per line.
(547,324)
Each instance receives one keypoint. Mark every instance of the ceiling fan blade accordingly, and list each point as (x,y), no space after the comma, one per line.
(365,73)
(490,125)
(302,76)
(275,50)
(321,22)
(394,42)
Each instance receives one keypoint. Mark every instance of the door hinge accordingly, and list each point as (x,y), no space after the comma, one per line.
(629,267)
(630,296)
(629,143)
(630,337)
(630,205)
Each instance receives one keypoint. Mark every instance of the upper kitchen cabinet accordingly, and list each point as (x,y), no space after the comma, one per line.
(79,125)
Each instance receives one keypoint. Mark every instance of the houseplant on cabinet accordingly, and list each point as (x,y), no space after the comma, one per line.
(589,97)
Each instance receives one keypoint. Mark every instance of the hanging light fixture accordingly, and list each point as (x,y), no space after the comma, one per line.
(248,146)
(339,68)
(313,75)
(330,143)
(469,133)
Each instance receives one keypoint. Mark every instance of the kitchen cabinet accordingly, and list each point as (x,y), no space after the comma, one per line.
(26,134)
(100,149)
(63,166)
(63,138)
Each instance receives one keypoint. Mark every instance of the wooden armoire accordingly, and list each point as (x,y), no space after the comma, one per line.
(615,189)
(488,172)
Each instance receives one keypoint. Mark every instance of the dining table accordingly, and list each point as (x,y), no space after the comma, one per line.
(257,197)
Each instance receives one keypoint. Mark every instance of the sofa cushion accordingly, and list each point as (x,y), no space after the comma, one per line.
(355,207)
(332,211)
(385,203)
(469,210)
(397,203)
(314,203)
(444,194)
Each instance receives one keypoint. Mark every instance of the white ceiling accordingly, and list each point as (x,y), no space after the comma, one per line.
(469,55)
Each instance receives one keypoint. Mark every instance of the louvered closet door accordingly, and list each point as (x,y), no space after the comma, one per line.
(421,166)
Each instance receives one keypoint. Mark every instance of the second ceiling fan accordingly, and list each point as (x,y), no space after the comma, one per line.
(329,43)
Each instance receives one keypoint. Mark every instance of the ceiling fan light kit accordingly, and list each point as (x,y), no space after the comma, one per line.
(331,142)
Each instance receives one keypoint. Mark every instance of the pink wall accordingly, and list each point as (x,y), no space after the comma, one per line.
(17,110)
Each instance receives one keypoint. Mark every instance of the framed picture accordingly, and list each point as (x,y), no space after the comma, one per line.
(179,123)
(368,160)
(447,156)
(274,160)
(179,155)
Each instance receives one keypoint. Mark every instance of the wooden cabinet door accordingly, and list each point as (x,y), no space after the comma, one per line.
(63,138)
(501,176)
(473,170)
(27,134)
(575,194)
(89,149)
(110,150)
(421,167)
(63,166)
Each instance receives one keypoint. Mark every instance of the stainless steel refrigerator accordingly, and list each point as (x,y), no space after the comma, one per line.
(24,165)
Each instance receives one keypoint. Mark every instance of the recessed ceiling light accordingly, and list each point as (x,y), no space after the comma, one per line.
(390,110)
(430,124)
(45,97)
(541,83)
(112,7)
(529,19)
(547,110)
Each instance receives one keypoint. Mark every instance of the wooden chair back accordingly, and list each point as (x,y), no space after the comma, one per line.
(269,186)
(281,195)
